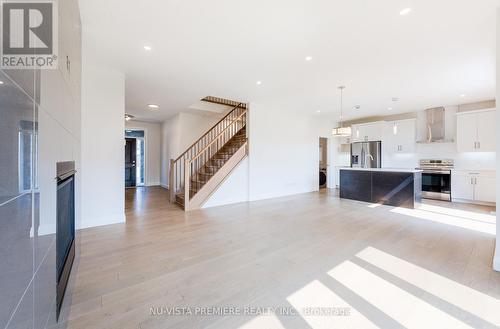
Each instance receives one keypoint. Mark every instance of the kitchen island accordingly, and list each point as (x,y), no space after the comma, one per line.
(392,187)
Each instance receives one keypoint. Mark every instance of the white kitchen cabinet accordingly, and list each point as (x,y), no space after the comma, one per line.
(462,186)
(473,186)
(486,128)
(402,136)
(373,131)
(476,131)
(485,189)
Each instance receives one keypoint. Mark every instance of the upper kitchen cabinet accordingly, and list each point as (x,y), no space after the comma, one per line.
(373,131)
(476,131)
(402,136)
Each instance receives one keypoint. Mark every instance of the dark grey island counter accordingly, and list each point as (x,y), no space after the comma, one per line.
(392,187)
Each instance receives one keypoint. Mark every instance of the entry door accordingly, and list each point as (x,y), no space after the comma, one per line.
(130,159)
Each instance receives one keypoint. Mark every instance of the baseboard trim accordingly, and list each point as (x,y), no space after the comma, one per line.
(480,203)
(280,195)
(496,260)
(95,222)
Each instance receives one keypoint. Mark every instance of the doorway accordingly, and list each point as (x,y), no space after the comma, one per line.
(323,162)
(134,158)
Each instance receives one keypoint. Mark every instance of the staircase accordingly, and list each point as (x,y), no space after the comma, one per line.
(205,165)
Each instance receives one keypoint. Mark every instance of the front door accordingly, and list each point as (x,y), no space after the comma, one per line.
(130,158)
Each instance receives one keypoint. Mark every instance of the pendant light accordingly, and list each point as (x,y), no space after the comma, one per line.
(341,131)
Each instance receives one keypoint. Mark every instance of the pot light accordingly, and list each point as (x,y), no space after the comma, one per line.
(147,48)
(1,82)
(128,117)
(357,107)
(318,111)
(259,83)
(405,11)
(153,106)
(309,58)
(389,108)
(463,95)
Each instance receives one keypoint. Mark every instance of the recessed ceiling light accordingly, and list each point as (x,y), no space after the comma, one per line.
(318,111)
(357,107)
(1,82)
(129,117)
(395,99)
(405,11)
(147,48)
(309,58)
(259,83)
(463,95)
(153,106)
(389,108)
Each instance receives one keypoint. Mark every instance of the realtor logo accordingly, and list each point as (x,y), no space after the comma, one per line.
(29,34)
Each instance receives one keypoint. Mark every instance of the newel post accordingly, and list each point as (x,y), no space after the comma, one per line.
(187,182)
(171,183)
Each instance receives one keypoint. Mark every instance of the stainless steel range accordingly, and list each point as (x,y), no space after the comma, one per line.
(436,179)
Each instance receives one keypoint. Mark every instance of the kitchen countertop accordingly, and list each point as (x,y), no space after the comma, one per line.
(405,170)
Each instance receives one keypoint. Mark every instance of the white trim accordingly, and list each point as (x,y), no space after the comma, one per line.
(95,222)
(153,184)
(480,203)
(266,196)
(475,111)
(496,261)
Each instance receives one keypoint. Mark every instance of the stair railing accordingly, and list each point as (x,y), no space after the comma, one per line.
(202,151)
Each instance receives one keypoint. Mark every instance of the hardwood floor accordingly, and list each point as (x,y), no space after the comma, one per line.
(389,268)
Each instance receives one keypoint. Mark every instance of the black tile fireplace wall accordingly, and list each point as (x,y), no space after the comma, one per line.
(39,126)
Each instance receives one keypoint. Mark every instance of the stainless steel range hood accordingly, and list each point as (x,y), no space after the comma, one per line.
(436,126)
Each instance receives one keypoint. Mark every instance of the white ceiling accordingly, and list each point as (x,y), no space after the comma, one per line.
(442,49)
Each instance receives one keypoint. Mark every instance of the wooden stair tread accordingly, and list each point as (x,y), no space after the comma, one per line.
(213,165)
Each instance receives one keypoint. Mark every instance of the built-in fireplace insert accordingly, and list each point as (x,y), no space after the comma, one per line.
(65,229)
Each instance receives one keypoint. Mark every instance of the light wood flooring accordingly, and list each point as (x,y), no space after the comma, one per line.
(389,267)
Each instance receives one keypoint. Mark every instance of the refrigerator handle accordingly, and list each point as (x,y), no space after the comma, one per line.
(363,157)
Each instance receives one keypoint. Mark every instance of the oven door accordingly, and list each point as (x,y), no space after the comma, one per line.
(436,184)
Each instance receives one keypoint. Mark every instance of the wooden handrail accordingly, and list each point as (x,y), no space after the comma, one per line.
(199,139)
(217,137)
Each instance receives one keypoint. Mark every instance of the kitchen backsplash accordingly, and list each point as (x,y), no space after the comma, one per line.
(472,161)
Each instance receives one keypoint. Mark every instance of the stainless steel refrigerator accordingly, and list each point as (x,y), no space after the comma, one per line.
(366,155)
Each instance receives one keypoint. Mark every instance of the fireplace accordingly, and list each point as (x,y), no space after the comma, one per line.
(65,231)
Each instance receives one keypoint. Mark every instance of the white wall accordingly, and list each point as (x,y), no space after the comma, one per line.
(102,163)
(234,190)
(170,136)
(152,135)
(284,152)
(283,157)
(496,261)
(193,126)
(180,132)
